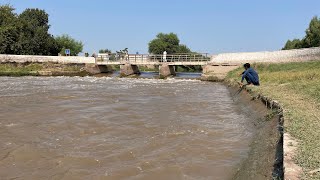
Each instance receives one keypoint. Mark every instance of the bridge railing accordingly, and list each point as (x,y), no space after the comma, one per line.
(155,58)
(193,57)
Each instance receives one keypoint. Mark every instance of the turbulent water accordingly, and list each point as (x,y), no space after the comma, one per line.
(111,128)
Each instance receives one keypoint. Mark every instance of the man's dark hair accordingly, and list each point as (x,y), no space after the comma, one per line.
(246,65)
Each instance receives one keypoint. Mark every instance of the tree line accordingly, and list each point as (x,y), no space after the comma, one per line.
(311,39)
(28,34)
(167,42)
(162,42)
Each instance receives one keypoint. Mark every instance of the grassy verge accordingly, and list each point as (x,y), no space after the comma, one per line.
(297,87)
(33,69)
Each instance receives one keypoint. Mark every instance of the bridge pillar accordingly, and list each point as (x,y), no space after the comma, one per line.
(166,70)
(129,69)
(97,69)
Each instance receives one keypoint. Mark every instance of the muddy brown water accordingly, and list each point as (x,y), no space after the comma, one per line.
(111,128)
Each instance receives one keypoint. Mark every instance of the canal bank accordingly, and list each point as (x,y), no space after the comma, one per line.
(265,158)
(42,69)
(295,87)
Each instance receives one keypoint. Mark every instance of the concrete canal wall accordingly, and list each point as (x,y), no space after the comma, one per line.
(4,58)
(296,55)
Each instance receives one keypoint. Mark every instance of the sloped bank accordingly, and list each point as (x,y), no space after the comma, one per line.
(296,87)
(50,69)
(265,158)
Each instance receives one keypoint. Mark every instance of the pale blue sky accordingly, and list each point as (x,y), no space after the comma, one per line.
(212,26)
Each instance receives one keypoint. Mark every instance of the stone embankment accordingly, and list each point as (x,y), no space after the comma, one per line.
(4,58)
(296,55)
(221,64)
(17,65)
(42,69)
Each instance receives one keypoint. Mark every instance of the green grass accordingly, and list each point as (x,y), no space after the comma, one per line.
(18,70)
(146,69)
(297,87)
(12,69)
(115,67)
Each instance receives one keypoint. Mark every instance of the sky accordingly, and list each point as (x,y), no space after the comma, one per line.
(207,26)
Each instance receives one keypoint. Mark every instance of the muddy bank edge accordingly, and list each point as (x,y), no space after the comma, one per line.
(286,149)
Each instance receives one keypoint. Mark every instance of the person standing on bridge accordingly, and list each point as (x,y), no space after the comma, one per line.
(250,75)
(164,57)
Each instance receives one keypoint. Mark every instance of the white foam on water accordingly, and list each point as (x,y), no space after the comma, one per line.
(11,125)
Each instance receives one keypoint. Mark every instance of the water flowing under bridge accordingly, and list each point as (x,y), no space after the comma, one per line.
(129,62)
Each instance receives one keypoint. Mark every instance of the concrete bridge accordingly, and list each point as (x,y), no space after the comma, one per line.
(129,62)
(150,59)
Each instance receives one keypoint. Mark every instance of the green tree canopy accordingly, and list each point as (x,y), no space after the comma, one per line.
(167,42)
(35,38)
(9,30)
(7,16)
(183,49)
(67,42)
(105,51)
(294,44)
(28,33)
(311,39)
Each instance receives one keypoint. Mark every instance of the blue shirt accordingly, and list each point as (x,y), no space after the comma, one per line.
(251,74)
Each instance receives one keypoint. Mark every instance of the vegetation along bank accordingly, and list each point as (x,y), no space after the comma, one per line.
(42,69)
(296,86)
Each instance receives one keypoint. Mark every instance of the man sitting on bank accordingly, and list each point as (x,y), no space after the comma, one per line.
(250,75)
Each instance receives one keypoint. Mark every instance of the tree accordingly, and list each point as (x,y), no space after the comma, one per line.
(122,53)
(28,33)
(67,42)
(34,38)
(108,51)
(9,31)
(294,44)
(164,42)
(183,49)
(311,39)
(167,42)
(7,16)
